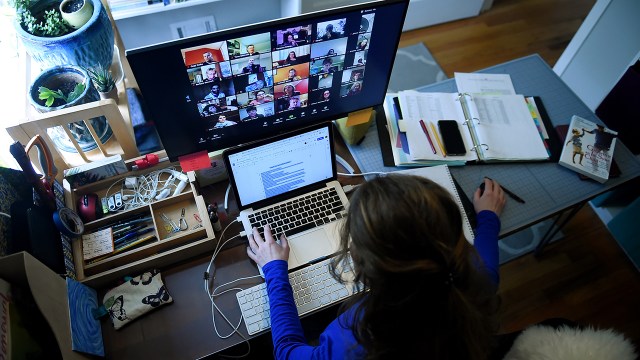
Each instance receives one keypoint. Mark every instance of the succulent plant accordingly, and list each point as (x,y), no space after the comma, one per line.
(50,25)
(102,79)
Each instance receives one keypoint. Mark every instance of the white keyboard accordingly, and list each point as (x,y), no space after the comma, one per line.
(313,288)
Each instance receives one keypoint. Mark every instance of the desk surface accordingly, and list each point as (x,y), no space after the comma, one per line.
(547,187)
(184,329)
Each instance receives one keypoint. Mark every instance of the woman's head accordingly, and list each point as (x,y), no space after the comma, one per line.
(292,55)
(401,224)
(289,90)
(404,234)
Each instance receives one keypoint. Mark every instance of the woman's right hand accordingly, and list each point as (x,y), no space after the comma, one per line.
(492,198)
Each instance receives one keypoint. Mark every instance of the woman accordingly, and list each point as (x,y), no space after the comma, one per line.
(290,41)
(292,59)
(427,293)
(355,89)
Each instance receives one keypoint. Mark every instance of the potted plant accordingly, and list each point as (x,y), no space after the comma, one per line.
(104,82)
(65,86)
(52,41)
(76,12)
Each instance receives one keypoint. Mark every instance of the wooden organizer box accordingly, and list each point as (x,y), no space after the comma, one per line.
(166,249)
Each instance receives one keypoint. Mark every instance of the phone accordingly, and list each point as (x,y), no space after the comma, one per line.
(451,137)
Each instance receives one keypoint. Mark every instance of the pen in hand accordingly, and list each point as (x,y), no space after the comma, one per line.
(507,191)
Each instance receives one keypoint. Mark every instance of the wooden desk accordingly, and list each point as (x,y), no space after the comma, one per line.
(184,329)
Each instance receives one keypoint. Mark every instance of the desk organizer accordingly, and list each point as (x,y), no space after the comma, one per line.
(167,248)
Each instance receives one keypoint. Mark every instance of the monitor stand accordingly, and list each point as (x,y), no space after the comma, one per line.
(355,125)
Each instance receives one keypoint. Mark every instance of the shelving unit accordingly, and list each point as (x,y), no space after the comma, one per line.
(166,249)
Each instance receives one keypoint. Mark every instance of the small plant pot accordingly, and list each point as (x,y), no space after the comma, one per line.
(112,94)
(76,12)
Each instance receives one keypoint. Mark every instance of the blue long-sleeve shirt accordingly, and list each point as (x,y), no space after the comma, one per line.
(337,340)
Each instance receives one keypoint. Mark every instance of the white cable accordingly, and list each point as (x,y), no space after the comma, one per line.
(226,197)
(344,164)
(5,214)
(215,293)
(364,174)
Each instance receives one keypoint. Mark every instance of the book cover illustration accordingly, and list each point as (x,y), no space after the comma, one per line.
(588,149)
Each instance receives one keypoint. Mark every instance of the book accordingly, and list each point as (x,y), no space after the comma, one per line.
(493,127)
(588,149)
(441,175)
(614,171)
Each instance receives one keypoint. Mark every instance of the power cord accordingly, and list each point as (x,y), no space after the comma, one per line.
(208,275)
(143,190)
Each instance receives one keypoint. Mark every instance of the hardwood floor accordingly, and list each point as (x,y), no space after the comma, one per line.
(585,277)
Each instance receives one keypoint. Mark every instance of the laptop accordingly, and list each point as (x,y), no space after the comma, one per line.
(290,182)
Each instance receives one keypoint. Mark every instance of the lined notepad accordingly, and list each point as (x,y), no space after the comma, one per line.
(440,174)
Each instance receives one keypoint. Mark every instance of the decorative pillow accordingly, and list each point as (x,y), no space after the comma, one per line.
(136,297)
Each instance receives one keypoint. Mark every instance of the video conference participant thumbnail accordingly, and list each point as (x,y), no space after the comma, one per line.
(249,46)
(331,29)
(293,36)
(252,113)
(291,56)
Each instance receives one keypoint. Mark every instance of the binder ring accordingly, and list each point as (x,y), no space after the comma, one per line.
(477,121)
(475,148)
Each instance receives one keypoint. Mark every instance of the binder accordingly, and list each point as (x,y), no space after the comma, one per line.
(495,128)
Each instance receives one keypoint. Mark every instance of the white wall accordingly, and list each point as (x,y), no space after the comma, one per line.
(155,28)
(603,48)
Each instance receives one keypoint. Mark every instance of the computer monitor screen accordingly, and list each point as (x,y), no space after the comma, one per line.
(226,88)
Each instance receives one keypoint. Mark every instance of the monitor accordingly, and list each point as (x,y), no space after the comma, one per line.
(217,90)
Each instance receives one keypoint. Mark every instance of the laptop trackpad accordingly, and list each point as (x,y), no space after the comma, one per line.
(310,246)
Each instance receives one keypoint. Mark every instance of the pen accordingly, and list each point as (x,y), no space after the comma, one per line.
(424,129)
(131,235)
(433,128)
(509,192)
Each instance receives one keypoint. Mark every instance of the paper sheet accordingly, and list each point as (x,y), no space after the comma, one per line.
(487,84)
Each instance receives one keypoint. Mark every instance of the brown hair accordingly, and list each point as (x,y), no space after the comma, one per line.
(404,234)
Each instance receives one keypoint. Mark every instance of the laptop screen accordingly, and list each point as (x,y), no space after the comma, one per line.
(271,168)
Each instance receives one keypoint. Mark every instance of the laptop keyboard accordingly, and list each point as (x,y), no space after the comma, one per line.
(300,214)
(313,288)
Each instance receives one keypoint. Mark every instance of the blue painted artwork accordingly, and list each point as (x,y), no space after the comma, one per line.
(86,333)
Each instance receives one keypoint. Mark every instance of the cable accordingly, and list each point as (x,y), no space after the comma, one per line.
(148,188)
(344,164)
(5,214)
(216,292)
(226,197)
(365,174)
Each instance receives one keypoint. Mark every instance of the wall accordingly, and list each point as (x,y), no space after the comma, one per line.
(155,28)
(606,44)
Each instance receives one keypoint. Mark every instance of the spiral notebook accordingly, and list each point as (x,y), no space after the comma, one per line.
(493,127)
(440,174)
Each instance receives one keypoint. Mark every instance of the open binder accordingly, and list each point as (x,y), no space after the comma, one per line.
(493,127)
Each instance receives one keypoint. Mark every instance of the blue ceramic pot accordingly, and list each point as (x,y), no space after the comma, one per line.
(88,46)
(53,79)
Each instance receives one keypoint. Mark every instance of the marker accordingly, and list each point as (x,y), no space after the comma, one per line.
(433,128)
(424,129)
(510,193)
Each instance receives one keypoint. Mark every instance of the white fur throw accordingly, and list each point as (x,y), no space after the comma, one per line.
(546,343)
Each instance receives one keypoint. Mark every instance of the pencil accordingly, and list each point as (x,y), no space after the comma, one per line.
(433,128)
(123,248)
(424,129)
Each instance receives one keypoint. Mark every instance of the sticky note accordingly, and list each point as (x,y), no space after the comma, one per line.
(195,161)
